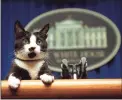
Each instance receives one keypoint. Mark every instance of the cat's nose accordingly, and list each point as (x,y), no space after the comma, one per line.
(31,49)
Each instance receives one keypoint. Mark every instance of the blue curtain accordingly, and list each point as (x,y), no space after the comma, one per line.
(25,11)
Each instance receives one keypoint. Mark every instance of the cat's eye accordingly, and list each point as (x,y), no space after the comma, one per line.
(38,41)
(25,41)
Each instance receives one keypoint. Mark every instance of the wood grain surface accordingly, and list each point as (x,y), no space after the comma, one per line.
(81,88)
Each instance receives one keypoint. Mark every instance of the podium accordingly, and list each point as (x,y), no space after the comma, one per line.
(81,88)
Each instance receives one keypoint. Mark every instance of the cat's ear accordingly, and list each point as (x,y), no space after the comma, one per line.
(19,29)
(43,32)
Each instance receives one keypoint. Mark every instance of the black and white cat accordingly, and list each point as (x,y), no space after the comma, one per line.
(30,54)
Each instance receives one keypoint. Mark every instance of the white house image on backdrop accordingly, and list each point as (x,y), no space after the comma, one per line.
(72,34)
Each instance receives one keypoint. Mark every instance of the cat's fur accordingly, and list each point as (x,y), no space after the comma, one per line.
(30,55)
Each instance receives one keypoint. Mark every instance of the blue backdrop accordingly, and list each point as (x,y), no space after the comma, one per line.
(25,11)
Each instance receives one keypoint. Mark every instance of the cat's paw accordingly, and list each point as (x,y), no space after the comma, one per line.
(13,82)
(47,78)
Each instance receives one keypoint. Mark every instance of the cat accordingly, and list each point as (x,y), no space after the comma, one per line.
(30,57)
(74,71)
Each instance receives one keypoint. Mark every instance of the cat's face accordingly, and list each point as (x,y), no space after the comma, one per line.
(30,46)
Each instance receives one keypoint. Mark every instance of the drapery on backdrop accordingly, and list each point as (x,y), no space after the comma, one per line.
(25,11)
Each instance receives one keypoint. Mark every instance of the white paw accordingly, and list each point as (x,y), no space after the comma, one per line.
(47,78)
(13,82)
